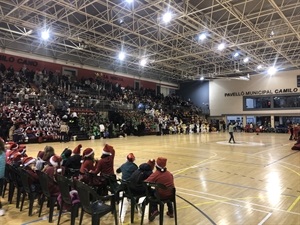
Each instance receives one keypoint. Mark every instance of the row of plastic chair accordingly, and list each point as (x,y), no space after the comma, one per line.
(89,201)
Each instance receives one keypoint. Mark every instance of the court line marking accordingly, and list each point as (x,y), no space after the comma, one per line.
(203,213)
(236,200)
(265,219)
(293,204)
(278,160)
(225,201)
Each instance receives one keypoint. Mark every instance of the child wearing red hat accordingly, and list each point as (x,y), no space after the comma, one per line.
(55,167)
(136,180)
(73,163)
(87,161)
(105,166)
(28,164)
(162,176)
(128,167)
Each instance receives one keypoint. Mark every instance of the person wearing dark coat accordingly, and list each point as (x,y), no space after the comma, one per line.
(73,163)
(137,178)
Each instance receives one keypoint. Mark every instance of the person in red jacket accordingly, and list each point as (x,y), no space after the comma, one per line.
(28,164)
(105,166)
(87,161)
(52,170)
(162,176)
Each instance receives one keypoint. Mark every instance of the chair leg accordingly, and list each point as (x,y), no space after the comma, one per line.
(60,212)
(52,201)
(22,201)
(95,219)
(161,214)
(81,216)
(115,215)
(41,204)
(175,212)
(11,191)
(133,204)
(74,213)
(31,201)
(18,197)
(143,211)
(122,201)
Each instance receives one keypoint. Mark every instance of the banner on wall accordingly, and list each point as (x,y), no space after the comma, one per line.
(19,60)
(263,92)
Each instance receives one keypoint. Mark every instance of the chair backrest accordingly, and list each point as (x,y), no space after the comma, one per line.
(14,175)
(65,186)
(157,186)
(114,184)
(25,180)
(44,182)
(87,195)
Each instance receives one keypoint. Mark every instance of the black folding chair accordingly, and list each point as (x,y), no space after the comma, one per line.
(46,195)
(93,204)
(151,199)
(27,190)
(134,199)
(65,186)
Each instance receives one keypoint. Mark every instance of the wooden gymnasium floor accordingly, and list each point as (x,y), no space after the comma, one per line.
(253,182)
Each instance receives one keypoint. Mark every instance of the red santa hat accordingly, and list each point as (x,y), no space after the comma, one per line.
(77,149)
(87,152)
(130,157)
(14,146)
(161,163)
(27,161)
(107,150)
(151,162)
(22,149)
(16,157)
(55,160)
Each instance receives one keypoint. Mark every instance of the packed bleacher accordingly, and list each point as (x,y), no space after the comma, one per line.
(34,103)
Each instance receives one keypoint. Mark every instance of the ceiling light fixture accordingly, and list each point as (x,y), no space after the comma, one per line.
(45,35)
(221,46)
(202,37)
(272,70)
(122,56)
(236,54)
(259,67)
(143,62)
(245,60)
(167,17)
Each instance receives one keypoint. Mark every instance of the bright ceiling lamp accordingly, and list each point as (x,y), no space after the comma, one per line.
(245,60)
(272,70)
(45,35)
(167,17)
(221,46)
(236,54)
(259,67)
(129,1)
(202,37)
(143,62)
(202,78)
(121,56)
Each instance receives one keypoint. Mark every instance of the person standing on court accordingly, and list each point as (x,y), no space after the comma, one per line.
(230,130)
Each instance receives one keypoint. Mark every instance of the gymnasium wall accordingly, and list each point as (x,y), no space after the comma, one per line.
(226,96)
(197,92)
(38,63)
